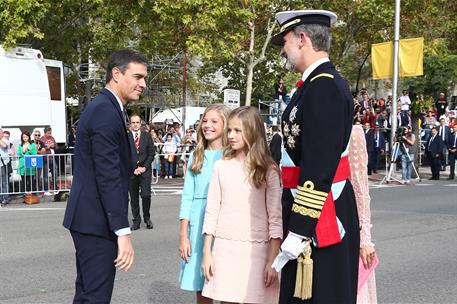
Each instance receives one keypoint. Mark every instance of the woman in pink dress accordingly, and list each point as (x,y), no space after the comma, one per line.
(243,224)
(358,160)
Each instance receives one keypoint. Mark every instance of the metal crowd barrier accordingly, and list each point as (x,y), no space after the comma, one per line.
(48,174)
(159,156)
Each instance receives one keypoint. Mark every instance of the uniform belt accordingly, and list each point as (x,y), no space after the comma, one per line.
(291,174)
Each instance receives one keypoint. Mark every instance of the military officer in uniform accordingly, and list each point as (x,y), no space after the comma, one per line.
(320,252)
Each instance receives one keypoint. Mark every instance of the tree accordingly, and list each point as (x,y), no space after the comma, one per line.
(19,20)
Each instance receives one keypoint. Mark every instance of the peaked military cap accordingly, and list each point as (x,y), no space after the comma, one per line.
(287,20)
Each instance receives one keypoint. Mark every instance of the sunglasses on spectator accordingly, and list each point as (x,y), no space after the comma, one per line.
(37,134)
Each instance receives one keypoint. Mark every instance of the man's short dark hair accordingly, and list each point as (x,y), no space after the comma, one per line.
(46,129)
(121,59)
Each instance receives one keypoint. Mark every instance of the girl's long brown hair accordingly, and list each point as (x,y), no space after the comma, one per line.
(258,157)
(202,143)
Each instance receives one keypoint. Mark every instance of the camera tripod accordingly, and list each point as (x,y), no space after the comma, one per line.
(395,152)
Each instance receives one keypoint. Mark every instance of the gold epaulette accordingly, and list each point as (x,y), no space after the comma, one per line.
(322,75)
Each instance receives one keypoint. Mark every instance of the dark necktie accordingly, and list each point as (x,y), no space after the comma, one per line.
(430,142)
(126,117)
(137,141)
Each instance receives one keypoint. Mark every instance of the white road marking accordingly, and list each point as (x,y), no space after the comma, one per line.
(31,209)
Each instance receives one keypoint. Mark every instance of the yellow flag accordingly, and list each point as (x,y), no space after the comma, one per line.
(381,60)
(411,59)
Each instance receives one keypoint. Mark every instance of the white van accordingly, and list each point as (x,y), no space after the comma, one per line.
(32,93)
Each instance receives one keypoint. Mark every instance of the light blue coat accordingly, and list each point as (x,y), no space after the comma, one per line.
(193,205)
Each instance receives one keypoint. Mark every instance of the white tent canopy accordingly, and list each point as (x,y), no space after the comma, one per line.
(193,114)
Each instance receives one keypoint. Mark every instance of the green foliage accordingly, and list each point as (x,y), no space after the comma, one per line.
(19,19)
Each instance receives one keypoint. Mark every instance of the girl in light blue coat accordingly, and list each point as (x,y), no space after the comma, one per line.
(211,138)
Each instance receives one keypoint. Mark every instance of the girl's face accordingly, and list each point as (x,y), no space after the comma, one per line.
(212,126)
(235,134)
(25,138)
(169,138)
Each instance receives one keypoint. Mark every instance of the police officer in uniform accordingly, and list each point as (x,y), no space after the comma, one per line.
(320,252)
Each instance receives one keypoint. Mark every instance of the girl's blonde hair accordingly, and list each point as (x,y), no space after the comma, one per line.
(258,157)
(202,143)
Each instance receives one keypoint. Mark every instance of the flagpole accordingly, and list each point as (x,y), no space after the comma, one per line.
(395,71)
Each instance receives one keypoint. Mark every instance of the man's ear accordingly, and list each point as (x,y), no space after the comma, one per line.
(304,39)
(116,73)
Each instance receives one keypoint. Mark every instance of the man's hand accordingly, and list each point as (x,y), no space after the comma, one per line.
(125,253)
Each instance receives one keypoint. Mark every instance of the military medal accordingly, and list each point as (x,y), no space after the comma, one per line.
(291,142)
(286,129)
(295,130)
(293,113)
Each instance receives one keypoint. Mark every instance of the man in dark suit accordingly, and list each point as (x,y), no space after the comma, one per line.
(369,138)
(434,148)
(452,148)
(316,160)
(379,143)
(444,132)
(97,209)
(276,144)
(144,148)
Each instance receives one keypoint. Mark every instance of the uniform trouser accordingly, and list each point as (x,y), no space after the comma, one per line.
(452,158)
(335,268)
(140,183)
(95,271)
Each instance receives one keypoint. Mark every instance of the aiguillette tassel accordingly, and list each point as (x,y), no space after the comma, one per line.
(307,285)
(299,277)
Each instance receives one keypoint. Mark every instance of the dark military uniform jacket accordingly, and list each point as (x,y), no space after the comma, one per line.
(316,126)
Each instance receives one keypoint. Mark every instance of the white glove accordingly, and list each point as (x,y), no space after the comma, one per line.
(293,245)
(291,248)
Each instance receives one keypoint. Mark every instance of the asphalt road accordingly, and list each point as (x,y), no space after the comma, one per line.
(415,232)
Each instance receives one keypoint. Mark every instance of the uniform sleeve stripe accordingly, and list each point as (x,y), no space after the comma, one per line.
(306,204)
(310,195)
(309,200)
(322,75)
(314,192)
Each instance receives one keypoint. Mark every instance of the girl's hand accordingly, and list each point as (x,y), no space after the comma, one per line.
(207,265)
(367,254)
(184,248)
(269,275)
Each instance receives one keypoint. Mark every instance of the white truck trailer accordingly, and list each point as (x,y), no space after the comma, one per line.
(32,93)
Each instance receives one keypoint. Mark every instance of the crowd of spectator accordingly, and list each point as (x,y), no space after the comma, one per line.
(376,117)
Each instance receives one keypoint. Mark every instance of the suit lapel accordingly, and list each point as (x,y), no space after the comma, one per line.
(115,104)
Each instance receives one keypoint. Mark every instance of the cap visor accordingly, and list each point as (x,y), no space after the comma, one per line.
(278,39)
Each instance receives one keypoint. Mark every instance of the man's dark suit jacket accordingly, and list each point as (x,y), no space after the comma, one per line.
(275,147)
(369,138)
(145,155)
(447,133)
(98,202)
(435,147)
(450,143)
(382,142)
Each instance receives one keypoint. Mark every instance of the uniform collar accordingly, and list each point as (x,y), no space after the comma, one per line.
(312,67)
